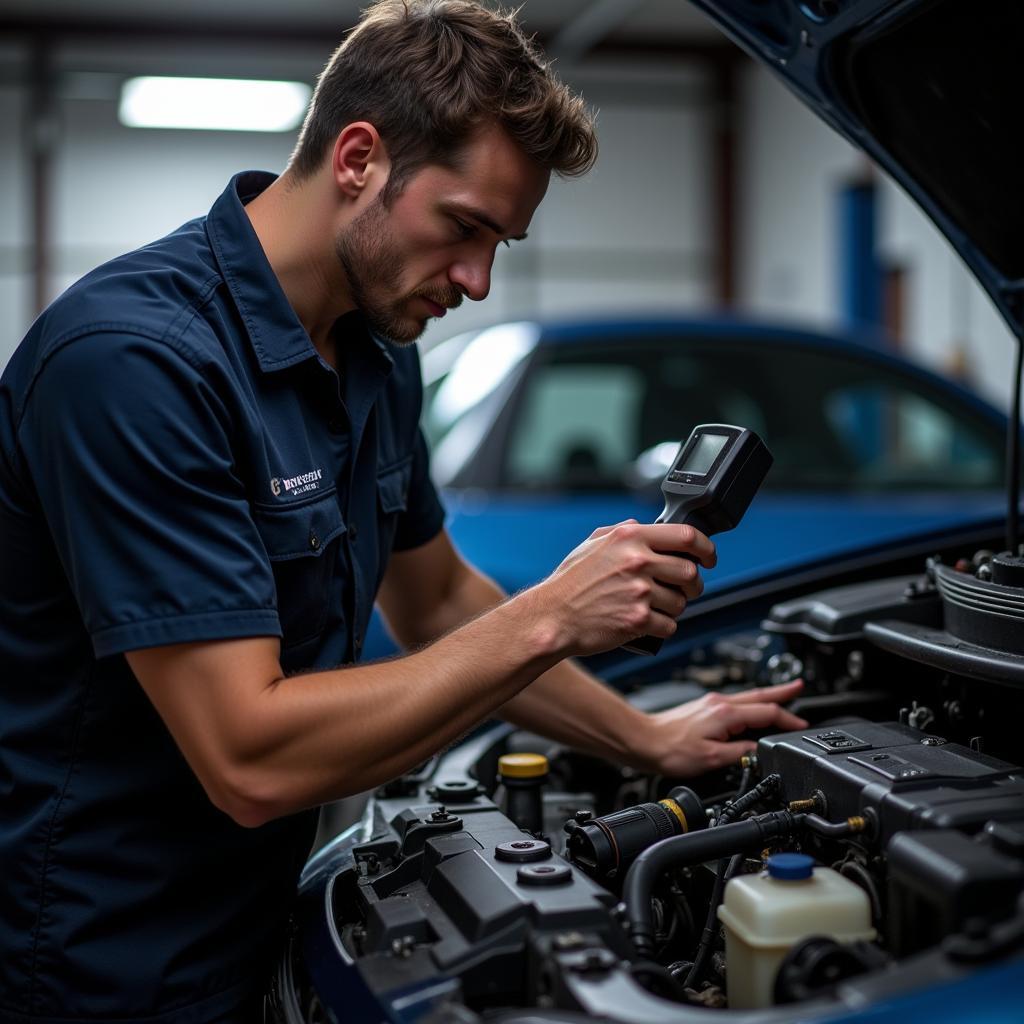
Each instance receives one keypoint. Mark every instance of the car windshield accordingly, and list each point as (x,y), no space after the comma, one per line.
(585,412)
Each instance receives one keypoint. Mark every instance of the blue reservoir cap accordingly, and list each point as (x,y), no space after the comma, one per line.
(790,866)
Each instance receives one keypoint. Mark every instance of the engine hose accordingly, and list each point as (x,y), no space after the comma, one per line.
(750,765)
(727,867)
(768,786)
(837,829)
(859,873)
(693,848)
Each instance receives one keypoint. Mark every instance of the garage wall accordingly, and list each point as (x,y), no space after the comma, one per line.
(951,322)
(15,299)
(113,191)
(631,236)
(635,235)
(636,232)
(792,167)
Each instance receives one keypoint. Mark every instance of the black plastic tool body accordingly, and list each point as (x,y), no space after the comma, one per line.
(716,473)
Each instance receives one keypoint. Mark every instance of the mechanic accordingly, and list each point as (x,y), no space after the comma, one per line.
(211,467)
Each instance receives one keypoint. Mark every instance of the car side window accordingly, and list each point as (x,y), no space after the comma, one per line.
(899,438)
(588,415)
(578,426)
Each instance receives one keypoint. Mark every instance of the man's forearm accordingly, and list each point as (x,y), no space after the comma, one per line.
(571,706)
(265,745)
(566,703)
(406,709)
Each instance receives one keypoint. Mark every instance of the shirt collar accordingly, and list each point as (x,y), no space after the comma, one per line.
(278,338)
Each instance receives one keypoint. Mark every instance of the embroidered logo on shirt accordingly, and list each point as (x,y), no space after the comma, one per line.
(296,484)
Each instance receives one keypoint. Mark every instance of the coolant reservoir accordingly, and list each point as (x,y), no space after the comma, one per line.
(765,914)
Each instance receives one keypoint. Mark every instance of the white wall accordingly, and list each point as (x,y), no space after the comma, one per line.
(792,168)
(631,236)
(15,287)
(951,322)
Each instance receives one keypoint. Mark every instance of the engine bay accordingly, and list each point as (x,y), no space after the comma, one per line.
(875,854)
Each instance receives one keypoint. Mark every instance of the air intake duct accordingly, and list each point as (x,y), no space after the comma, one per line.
(605,847)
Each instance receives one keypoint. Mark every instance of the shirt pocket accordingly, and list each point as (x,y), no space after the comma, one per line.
(302,544)
(392,501)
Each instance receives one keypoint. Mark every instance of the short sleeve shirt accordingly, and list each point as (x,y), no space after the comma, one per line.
(177,463)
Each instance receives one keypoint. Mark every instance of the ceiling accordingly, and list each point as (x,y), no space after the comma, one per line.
(575,27)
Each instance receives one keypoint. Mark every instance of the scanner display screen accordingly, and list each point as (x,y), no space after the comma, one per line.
(702,455)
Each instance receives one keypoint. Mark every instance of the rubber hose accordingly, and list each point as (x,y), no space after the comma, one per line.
(726,869)
(693,848)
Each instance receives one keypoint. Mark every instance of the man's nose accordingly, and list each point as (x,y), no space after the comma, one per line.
(472,277)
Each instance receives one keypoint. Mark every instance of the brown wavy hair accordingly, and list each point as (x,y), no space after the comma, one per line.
(427,74)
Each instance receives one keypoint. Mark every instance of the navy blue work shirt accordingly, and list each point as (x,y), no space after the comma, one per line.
(178,464)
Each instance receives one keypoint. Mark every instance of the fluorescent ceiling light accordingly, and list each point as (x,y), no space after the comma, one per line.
(223,104)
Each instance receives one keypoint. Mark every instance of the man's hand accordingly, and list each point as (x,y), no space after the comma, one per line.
(605,592)
(697,736)
(626,581)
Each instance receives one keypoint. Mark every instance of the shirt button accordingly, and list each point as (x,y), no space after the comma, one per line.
(314,541)
(336,425)
(353,531)
(359,646)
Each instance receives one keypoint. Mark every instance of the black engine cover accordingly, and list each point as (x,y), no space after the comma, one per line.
(908,779)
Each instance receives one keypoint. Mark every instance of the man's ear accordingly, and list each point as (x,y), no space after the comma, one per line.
(359,160)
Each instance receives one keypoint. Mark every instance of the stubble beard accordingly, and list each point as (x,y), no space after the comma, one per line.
(373,269)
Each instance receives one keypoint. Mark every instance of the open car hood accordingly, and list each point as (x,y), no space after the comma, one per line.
(931,90)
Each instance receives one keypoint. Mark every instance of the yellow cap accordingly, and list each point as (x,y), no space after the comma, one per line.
(522,766)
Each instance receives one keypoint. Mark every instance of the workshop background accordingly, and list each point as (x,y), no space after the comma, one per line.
(714,188)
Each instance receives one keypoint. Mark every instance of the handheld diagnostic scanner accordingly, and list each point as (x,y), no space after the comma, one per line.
(715,476)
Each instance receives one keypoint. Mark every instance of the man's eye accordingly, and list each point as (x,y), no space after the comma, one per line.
(463,229)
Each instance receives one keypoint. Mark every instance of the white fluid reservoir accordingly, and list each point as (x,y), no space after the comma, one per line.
(768,913)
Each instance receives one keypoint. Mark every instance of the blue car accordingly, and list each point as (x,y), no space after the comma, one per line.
(542,432)
(866,870)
